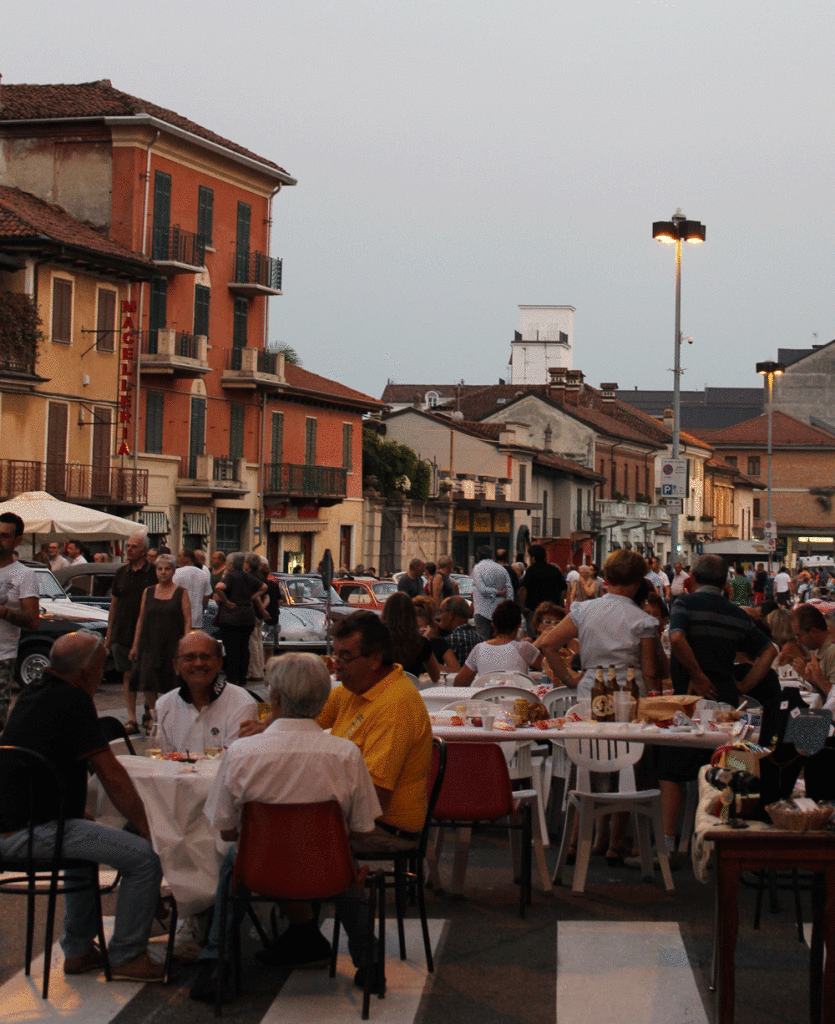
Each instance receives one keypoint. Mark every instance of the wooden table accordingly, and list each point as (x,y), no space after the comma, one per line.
(742,849)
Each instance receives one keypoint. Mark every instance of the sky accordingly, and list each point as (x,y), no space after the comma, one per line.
(457,160)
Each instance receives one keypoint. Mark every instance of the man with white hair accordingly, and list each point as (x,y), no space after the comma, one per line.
(196,581)
(129,584)
(292,761)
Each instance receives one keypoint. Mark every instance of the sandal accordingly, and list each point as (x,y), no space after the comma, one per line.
(132,728)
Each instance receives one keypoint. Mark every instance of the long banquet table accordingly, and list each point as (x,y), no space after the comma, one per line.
(632,733)
(188,847)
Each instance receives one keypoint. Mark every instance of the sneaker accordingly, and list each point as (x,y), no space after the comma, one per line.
(141,968)
(299,946)
(378,980)
(91,961)
(204,989)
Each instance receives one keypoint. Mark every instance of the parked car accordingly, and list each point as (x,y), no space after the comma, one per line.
(90,583)
(307,590)
(58,616)
(299,628)
(365,595)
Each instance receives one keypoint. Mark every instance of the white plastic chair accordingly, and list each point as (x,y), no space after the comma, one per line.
(558,764)
(512,678)
(592,756)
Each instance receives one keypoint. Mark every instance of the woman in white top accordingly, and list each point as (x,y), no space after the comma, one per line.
(611,630)
(504,653)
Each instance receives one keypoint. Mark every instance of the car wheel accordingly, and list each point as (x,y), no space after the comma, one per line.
(33,663)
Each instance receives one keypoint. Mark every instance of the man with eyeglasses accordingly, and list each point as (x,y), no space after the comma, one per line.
(204,711)
(56,717)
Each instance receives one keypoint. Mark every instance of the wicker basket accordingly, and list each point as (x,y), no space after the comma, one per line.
(792,819)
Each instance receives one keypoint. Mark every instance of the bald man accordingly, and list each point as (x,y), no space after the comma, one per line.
(57,718)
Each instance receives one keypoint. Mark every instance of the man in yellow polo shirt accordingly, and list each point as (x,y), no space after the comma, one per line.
(380,710)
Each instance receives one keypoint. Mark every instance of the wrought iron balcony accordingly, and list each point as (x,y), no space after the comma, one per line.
(253,273)
(251,369)
(588,522)
(17,476)
(176,251)
(174,353)
(93,485)
(210,475)
(285,479)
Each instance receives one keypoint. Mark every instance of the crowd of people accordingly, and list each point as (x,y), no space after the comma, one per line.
(375,756)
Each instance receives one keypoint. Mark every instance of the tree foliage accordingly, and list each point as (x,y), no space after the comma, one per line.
(390,461)
(20,329)
(289,353)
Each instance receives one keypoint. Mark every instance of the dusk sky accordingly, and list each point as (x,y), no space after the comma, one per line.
(457,160)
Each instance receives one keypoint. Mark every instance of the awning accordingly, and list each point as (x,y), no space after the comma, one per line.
(296,526)
(198,523)
(155,522)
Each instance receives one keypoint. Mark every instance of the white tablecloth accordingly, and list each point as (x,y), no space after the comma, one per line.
(188,847)
(583,730)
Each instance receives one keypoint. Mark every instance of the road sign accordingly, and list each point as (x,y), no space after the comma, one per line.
(772,543)
(674,481)
(769,529)
(674,506)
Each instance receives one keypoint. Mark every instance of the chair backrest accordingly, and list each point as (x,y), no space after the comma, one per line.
(559,700)
(28,775)
(602,755)
(294,851)
(494,692)
(434,781)
(113,729)
(476,786)
(512,678)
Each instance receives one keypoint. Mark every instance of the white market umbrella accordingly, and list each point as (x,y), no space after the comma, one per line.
(48,518)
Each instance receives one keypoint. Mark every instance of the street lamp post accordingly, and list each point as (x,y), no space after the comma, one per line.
(673,232)
(770,370)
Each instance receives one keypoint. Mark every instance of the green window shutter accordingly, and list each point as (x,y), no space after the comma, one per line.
(106,320)
(242,242)
(310,441)
(205,213)
(197,434)
(347,446)
(277,445)
(239,322)
(162,215)
(202,295)
(157,311)
(236,431)
(154,407)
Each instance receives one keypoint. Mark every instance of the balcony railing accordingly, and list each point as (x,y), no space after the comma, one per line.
(174,245)
(254,268)
(548,526)
(17,362)
(212,474)
(291,480)
(17,476)
(183,343)
(261,361)
(77,482)
(225,469)
(588,522)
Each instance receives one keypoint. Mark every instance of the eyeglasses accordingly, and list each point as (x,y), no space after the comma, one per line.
(343,658)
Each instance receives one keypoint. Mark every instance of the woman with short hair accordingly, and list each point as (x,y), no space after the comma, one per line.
(505,652)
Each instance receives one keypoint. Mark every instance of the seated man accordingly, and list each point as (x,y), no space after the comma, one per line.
(380,710)
(292,761)
(454,620)
(56,717)
(205,711)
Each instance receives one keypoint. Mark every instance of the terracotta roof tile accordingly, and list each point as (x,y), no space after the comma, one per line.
(786,430)
(298,377)
(26,217)
(100,99)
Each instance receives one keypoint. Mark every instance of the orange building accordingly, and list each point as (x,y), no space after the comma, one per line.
(202,398)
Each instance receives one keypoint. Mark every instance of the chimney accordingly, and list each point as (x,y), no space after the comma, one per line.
(609,392)
(547,439)
(556,382)
(668,419)
(573,385)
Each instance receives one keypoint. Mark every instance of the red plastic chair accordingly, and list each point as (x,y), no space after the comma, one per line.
(296,852)
(476,790)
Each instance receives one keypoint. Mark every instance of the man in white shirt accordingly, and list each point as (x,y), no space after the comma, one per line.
(56,559)
(74,553)
(205,711)
(783,587)
(19,605)
(197,582)
(659,579)
(292,761)
(491,586)
(680,577)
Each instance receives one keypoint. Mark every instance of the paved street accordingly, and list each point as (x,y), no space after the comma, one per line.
(624,951)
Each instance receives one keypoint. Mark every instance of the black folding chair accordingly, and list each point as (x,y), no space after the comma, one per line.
(113,729)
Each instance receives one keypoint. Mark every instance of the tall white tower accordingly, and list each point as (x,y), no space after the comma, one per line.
(544,339)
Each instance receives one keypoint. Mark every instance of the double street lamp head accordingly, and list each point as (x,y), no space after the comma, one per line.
(770,369)
(678,229)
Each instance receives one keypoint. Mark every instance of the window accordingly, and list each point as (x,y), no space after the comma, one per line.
(205,209)
(347,446)
(162,216)
(157,311)
(236,431)
(106,321)
(154,405)
(431,399)
(310,441)
(277,439)
(756,508)
(61,310)
(201,309)
(753,465)
(239,322)
(545,529)
(242,236)
(523,483)
(731,460)
(229,530)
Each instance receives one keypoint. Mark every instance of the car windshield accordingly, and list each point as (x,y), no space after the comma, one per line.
(49,586)
(310,588)
(384,590)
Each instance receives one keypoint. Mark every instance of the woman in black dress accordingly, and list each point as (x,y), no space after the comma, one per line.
(164,619)
(238,597)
